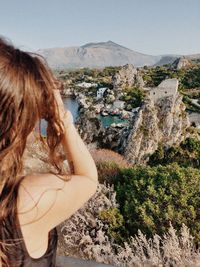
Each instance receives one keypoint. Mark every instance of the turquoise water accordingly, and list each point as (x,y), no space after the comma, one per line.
(107,120)
(71,104)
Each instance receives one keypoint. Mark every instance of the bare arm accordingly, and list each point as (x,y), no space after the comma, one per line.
(74,146)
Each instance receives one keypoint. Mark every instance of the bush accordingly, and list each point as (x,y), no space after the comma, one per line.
(105,155)
(191,78)
(84,235)
(108,164)
(115,222)
(152,197)
(186,155)
(134,96)
(107,171)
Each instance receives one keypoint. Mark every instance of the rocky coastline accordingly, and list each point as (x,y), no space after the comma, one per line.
(161,119)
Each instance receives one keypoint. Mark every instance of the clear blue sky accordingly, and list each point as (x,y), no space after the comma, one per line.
(148,26)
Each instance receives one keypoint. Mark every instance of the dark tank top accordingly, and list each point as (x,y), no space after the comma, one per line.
(19,257)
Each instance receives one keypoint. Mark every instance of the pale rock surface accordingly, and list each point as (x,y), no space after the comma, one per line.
(164,121)
(180,63)
(127,76)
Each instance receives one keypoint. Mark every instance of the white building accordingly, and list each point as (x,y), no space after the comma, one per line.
(100,92)
(86,85)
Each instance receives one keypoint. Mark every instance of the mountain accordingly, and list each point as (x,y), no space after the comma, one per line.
(100,55)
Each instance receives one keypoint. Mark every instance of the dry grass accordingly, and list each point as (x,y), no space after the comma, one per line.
(84,235)
(108,164)
(106,155)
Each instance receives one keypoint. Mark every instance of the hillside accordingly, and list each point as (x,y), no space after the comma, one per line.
(100,55)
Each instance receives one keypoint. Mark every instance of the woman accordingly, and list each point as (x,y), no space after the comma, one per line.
(32,206)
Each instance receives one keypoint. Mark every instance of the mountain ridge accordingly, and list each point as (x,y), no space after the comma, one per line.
(101,54)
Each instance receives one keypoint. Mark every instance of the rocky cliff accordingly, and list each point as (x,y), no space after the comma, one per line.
(181,63)
(127,76)
(159,119)
(164,120)
(95,135)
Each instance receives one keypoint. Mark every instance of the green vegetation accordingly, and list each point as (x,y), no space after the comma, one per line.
(99,77)
(154,76)
(115,220)
(87,73)
(152,197)
(189,81)
(188,77)
(107,171)
(133,97)
(186,155)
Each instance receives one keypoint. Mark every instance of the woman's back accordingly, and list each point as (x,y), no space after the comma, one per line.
(38,203)
(43,256)
(43,202)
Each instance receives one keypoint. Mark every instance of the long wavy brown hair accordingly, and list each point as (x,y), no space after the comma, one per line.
(26,97)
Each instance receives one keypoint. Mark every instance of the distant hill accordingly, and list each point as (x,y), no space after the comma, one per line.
(193,57)
(100,55)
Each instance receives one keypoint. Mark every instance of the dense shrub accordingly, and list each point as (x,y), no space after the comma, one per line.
(85,235)
(133,97)
(186,155)
(115,221)
(152,197)
(154,76)
(192,78)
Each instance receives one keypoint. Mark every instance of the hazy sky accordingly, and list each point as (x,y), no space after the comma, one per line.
(147,26)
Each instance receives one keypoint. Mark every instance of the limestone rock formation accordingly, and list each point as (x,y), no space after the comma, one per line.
(164,120)
(180,63)
(89,126)
(127,76)
(161,118)
(95,135)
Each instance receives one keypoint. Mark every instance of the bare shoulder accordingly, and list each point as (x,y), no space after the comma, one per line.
(47,200)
